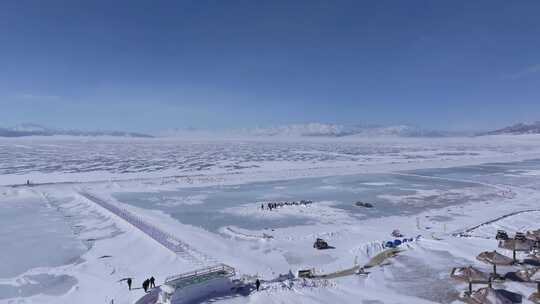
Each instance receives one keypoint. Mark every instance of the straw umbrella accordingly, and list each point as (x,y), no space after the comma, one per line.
(516,245)
(535,296)
(488,295)
(470,275)
(533,235)
(494,258)
(523,275)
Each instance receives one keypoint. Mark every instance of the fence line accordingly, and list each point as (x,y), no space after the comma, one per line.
(165,239)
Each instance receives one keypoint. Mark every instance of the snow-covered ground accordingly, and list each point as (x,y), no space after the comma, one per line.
(57,159)
(67,243)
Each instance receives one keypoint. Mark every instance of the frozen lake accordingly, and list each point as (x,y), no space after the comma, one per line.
(28,224)
(522,174)
(48,160)
(391,194)
(35,237)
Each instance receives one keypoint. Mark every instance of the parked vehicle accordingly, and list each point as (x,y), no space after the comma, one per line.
(320,244)
(397,233)
(362,204)
(305,273)
(501,235)
(520,236)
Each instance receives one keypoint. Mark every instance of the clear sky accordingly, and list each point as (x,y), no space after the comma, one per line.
(152,65)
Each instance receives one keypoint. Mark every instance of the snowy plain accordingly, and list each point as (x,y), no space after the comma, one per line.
(68,248)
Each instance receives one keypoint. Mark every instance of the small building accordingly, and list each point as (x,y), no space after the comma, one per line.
(201,283)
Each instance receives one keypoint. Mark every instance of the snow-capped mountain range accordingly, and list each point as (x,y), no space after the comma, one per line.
(309,130)
(520,128)
(336,130)
(29,129)
(284,131)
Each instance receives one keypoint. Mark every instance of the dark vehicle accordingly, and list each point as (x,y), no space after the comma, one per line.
(520,236)
(305,273)
(396,233)
(362,204)
(501,235)
(320,244)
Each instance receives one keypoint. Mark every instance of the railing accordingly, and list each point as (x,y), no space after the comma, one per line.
(220,269)
(165,239)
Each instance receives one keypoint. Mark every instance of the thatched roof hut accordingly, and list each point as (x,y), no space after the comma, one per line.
(533,235)
(493,257)
(535,297)
(524,275)
(518,245)
(534,275)
(488,295)
(469,274)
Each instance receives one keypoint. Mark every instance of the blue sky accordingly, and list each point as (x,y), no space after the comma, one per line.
(151,65)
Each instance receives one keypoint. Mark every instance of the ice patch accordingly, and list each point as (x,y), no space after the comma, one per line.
(47,284)
(173,201)
(531,173)
(378,184)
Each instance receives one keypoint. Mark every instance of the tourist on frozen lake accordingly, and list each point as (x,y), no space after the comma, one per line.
(152,282)
(129,283)
(257,284)
(145,285)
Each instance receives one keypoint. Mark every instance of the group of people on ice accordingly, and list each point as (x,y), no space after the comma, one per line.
(270,206)
(147,284)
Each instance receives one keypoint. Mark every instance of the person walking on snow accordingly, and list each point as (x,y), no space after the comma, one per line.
(152,282)
(145,285)
(257,284)
(129,283)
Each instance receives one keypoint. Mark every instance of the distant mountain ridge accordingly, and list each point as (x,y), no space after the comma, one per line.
(307,130)
(337,130)
(517,129)
(29,129)
(311,130)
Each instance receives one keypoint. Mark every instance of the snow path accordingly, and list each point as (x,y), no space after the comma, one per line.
(464,232)
(167,240)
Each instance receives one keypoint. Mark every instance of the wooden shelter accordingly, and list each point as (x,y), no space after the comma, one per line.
(494,258)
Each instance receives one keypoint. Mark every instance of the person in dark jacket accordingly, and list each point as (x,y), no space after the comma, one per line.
(129,283)
(152,282)
(258,284)
(145,285)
